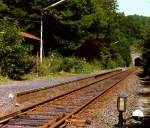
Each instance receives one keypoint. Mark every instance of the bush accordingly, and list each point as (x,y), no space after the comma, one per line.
(75,65)
(15,59)
(110,58)
(49,66)
(55,63)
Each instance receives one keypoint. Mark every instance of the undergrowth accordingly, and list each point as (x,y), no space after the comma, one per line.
(56,64)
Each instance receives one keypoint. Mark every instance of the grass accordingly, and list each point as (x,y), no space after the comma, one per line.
(30,77)
(4,80)
(50,76)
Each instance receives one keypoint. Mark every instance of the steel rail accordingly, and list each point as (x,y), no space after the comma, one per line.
(84,105)
(60,121)
(40,101)
(70,81)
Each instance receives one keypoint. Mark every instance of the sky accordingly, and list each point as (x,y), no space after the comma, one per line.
(131,7)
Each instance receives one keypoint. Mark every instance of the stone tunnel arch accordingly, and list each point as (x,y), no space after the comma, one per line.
(136,59)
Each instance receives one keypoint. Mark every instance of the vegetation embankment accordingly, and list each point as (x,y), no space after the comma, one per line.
(79,37)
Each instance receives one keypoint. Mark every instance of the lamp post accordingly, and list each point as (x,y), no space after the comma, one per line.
(121,106)
(42,13)
(41,41)
(137,115)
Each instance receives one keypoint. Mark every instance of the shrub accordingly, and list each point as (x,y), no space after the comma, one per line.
(15,59)
(55,63)
(72,64)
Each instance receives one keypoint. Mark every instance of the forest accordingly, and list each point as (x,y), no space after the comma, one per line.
(80,36)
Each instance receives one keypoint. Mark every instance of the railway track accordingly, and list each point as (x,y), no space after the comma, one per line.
(55,112)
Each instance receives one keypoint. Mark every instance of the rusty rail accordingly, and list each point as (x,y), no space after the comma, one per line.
(64,103)
(58,123)
(27,95)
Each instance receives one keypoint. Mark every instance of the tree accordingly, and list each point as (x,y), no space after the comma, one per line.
(77,28)
(15,59)
(146,52)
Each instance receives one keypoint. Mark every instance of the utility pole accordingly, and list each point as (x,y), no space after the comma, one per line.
(41,41)
(42,13)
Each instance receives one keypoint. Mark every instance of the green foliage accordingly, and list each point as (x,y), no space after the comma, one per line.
(51,64)
(3,7)
(146,56)
(15,60)
(68,25)
(110,58)
(141,33)
(56,63)
(84,29)
(73,65)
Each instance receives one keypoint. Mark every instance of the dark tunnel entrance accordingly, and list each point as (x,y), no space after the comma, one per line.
(138,61)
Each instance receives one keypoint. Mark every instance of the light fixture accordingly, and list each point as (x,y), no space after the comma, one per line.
(138,115)
(121,104)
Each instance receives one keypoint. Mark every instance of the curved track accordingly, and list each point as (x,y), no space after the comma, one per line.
(54,113)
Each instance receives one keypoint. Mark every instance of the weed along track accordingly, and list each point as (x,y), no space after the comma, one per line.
(55,112)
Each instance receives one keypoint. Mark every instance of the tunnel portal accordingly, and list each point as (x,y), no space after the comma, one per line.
(138,61)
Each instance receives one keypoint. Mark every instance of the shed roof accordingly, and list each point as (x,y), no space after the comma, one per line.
(30,36)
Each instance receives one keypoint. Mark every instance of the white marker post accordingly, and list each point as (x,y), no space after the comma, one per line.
(12,98)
